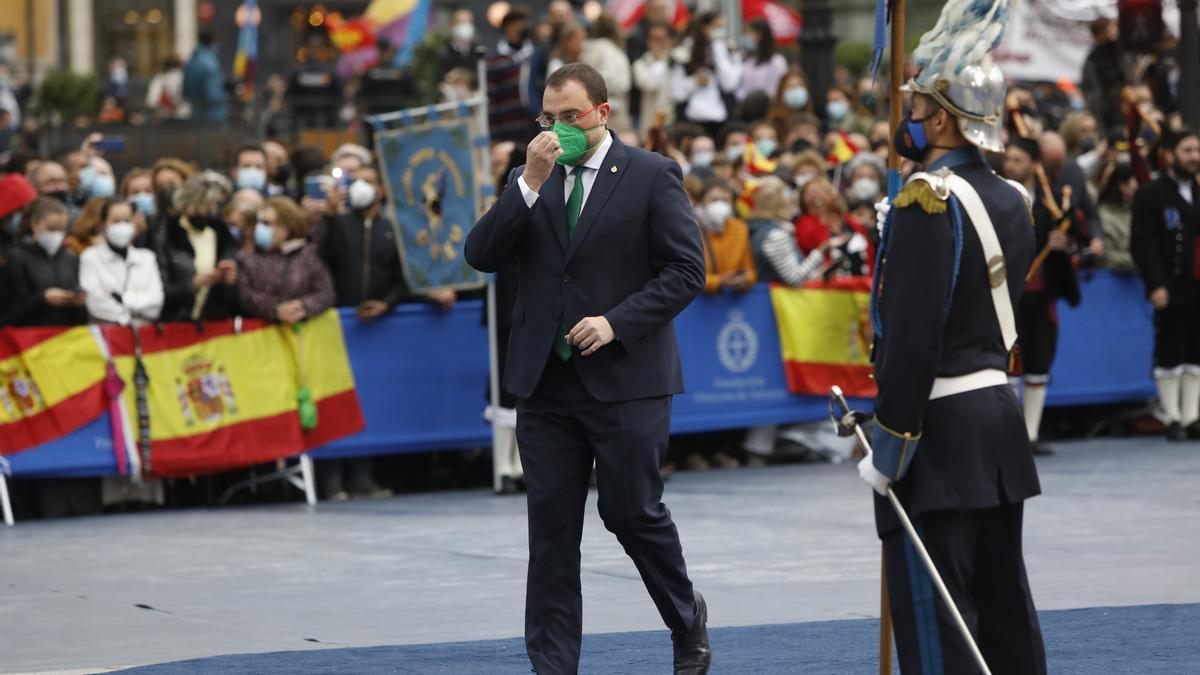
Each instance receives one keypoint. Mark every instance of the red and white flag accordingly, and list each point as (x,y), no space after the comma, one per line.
(629,12)
(785,22)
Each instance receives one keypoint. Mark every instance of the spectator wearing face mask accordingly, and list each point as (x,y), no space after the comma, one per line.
(727,258)
(49,272)
(765,139)
(278,171)
(652,79)
(843,112)
(461,50)
(865,179)
(166,176)
(96,179)
(359,248)
(762,66)
(250,168)
(283,278)
(791,98)
(824,226)
(121,281)
(138,189)
(197,256)
(703,153)
(709,72)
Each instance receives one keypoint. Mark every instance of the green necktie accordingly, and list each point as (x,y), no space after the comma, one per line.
(574,206)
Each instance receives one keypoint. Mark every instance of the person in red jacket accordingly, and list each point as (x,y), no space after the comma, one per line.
(823,215)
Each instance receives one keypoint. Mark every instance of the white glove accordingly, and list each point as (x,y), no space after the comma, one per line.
(868,472)
(882,208)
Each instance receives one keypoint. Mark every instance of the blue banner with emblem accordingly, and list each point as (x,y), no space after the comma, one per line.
(433,183)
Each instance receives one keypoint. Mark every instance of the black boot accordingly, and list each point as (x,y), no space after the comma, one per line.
(693,654)
(1176,432)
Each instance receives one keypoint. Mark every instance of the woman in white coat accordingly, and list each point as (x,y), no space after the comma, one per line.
(122,281)
(605,53)
(708,73)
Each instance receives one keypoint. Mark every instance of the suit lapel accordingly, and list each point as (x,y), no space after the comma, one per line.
(602,189)
(552,196)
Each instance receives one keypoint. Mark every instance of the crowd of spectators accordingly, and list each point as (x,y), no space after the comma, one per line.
(783,179)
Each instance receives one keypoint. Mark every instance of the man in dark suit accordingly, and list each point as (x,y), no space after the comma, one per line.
(1166,220)
(608,252)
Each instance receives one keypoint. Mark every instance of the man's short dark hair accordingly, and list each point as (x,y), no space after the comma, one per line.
(587,76)
(517,14)
(206,37)
(249,147)
(1173,137)
(717,184)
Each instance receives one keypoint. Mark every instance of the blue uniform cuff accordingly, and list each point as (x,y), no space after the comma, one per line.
(893,450)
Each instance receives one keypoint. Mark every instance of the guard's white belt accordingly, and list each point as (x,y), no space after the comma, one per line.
(982,379)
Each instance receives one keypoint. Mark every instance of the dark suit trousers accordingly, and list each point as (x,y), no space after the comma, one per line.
(978,554)
(561,429)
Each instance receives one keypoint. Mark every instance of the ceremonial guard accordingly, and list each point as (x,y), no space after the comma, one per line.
(949,437)
(1166,250)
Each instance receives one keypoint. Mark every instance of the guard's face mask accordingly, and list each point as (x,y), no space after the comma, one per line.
(911,141)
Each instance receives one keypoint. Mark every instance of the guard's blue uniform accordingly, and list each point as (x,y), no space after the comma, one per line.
(962,464)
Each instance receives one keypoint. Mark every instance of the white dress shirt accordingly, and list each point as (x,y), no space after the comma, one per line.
(589,177)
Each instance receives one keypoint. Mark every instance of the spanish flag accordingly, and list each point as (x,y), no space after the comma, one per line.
(225,398)
(825,335)
(51,383)
(843,150)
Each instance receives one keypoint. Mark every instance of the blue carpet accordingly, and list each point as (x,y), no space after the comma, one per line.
(1158,639)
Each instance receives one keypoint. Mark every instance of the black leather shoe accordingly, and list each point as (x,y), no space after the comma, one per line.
(1040,450)
(1193,430)
(1175,432)
(693,654)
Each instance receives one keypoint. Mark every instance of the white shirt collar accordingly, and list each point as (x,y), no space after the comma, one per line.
(597,159)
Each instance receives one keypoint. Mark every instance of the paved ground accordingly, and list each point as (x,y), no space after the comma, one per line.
(1116,526)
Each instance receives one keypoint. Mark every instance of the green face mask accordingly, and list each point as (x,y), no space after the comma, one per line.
(573,142)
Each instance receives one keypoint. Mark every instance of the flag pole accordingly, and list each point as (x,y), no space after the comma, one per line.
(896,100)
(895,114)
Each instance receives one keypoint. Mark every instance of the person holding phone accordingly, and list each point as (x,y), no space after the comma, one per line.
(49,272)
(197,257)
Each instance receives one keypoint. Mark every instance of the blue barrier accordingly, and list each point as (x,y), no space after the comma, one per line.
(422,373)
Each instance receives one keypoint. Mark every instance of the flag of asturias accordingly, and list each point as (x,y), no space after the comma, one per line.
(825,335)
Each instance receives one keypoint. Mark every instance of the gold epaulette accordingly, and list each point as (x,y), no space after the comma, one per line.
(920,192)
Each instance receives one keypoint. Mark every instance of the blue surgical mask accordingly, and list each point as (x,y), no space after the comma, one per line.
(703,158)
(120,76)
(264,235)
(795,97)
(103,185)
(766,146)
(86,176)
(838,110)
(144,202)
(251,178)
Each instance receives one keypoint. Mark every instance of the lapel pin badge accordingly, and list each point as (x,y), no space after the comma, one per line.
(613,169)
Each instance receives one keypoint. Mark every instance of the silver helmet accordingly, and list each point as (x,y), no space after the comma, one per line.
(957,69)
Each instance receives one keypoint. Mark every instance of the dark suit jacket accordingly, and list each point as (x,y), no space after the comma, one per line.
(635,258)
(1164,238)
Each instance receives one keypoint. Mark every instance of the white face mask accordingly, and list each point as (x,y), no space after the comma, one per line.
(120,233)
(50,241)
(715,214)
(463,33)
(864,188)
(251,178)
(362,194)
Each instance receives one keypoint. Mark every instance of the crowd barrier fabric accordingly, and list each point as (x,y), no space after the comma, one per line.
(421,375)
